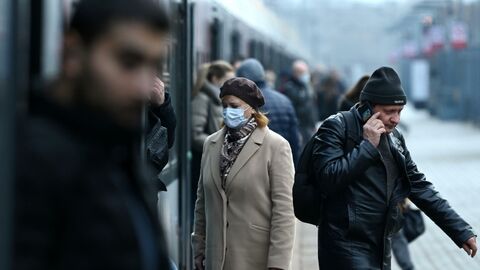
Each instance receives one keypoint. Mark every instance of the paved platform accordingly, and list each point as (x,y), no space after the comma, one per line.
(449,154)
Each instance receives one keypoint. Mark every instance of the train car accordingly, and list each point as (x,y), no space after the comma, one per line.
(202,30)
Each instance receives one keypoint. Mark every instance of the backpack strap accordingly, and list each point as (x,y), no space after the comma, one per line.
(352,134)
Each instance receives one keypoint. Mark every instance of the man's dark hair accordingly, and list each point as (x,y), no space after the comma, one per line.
(92,18)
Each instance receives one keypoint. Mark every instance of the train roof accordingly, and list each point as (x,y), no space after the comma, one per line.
(256,15)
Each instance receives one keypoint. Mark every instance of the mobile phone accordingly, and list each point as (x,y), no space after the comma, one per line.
(366,111)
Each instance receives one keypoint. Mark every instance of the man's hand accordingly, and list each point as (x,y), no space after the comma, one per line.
(373,129)
(199,262)
(157,96)
(471,246)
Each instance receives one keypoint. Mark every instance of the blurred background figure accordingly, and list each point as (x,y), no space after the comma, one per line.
(270,78)
(353,95)
(237,61)
(82,200)
(298,89)
(207,110)
(278,107)
(328,94)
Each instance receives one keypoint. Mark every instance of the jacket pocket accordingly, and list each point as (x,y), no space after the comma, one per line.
(259,228)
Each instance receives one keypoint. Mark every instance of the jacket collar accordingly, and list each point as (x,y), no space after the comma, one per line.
(212,91)
(249,149)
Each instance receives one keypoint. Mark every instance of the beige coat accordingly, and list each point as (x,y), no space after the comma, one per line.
(250,225)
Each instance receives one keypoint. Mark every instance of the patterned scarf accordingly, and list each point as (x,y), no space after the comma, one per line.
(233,143)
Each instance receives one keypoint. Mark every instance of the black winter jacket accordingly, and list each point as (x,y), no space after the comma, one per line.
(358,221)
(81,200)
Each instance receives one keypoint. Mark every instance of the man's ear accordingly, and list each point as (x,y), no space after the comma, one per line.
(73,55)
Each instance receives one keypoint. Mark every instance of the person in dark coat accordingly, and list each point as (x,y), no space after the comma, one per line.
(364,188)
(353,95)
(299,91)
(278,107)
(82,200)
(328,95)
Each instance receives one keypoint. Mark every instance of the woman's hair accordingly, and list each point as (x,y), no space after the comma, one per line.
(218,69)
(201,77)
(261,119)
(354,93)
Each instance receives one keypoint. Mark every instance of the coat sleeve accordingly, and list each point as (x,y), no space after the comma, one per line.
(334,169)
(167,116)
(282,228)
(199,226)
(425,197)
(199,108)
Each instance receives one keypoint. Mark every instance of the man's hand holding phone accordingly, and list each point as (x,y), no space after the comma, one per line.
(373,129)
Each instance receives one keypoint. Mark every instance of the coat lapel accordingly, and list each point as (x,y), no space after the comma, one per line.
(216,142)
(250,147)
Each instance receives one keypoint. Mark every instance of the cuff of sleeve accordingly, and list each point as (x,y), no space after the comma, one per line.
(463,237)
(279,262)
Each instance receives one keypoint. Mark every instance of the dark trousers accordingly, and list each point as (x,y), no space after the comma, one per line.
(401,252)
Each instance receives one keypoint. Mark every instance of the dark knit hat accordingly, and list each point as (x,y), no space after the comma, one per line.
(384,87)
(252,69)
(244,89)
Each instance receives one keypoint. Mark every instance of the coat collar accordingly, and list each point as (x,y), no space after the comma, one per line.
(212,91)
(251,146)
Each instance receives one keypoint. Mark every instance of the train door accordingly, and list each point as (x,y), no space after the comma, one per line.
(174,205)
(8,86)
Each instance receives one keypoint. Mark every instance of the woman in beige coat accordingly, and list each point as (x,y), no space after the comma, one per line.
(244,214)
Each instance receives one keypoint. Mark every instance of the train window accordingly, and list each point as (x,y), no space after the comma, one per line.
(235,43)
(215,39)
(252,49)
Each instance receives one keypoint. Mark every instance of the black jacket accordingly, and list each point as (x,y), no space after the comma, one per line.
(358,220)
(81,201)
(302,101)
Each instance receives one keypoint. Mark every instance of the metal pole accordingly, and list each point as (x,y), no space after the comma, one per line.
(184,78)
(7,126)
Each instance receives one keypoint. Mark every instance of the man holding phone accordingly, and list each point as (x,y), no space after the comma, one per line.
(365,184)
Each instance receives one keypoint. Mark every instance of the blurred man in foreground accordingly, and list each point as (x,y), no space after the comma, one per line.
(81,199)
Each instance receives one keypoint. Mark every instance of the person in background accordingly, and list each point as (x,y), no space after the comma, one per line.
(244,211)
(270,78)
(353,95)
(161,118)
(299,91)
(237,61)
(328,95)
(278,107)
(200,79)
(81,200)
(206,110)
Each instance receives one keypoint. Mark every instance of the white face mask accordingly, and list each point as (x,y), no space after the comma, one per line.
(234,117)
(305,78)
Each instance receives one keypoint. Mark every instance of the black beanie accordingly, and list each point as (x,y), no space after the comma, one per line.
(384,87)
(245,90)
